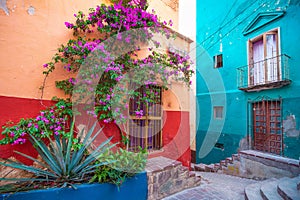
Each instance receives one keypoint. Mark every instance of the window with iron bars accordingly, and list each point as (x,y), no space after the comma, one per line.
(145,131)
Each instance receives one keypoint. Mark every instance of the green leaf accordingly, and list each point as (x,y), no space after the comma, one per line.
(34,170)
(31,158)
(46,154)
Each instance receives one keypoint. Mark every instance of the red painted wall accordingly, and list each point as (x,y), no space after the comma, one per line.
(176,137)
(13,109)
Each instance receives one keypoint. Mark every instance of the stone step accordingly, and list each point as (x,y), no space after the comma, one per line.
(217,166)
(192,174)
(287,188)
(229,160)
(192,181)
(200,167)
(184,174)
(268,190)
(183,168)
(223,163)
(252,191)
(193,166)
(197,180)
(235,157)
(297,179)
(166,177)
(210,168)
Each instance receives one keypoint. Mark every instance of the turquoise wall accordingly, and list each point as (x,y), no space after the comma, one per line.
(220,29)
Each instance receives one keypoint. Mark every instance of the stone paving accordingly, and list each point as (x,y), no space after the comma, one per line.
(215,186)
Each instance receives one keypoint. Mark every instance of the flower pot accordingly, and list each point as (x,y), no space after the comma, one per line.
(134,188)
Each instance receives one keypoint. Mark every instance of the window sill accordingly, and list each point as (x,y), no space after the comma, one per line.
(153,152)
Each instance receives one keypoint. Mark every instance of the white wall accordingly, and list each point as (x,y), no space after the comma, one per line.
(187,18)
(187,27)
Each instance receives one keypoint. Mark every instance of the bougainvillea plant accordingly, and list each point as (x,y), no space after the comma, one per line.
(51,121)
(104,66)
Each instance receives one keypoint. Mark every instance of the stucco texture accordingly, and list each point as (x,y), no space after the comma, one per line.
(30,33)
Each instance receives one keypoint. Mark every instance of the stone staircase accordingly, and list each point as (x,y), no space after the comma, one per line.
(274,170)
(167,176)
(274,189)
(254,165)
(228,166)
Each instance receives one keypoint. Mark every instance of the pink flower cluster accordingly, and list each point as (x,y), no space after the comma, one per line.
(19,141)
(139,113)
(117,17)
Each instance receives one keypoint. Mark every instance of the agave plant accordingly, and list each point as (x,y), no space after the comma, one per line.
(61,163)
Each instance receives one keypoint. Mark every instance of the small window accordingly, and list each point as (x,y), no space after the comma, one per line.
(219,146)
(218,61)
(218,112)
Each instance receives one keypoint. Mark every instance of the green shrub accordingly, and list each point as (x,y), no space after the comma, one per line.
(126,164)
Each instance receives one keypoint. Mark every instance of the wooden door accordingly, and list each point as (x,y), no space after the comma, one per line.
(267,126)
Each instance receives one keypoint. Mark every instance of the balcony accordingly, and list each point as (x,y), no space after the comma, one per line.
(266,74)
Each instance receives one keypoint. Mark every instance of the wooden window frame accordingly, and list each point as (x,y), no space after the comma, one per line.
(262,37)
(218,61)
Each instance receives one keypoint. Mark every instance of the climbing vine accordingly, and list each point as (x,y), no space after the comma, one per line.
(103,56)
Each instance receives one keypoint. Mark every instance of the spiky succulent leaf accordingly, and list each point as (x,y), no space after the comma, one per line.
(60,161)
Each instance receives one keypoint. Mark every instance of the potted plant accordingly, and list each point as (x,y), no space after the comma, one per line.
(68,171)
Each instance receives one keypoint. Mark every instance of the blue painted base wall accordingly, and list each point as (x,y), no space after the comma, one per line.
(135,188)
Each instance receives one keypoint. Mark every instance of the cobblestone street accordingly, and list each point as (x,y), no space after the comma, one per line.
(215,186)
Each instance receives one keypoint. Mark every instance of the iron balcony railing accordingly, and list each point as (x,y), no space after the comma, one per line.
(263,73)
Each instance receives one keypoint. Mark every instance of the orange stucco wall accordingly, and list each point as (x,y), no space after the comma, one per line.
(28,40)
(30,35)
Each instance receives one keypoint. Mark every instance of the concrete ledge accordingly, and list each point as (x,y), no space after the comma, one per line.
(160,163)
(266,156)
(255,164)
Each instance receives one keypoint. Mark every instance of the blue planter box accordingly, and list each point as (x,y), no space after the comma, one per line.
(134,188)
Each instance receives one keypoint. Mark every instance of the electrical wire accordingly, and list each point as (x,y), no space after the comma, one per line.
(228,32)
(229,21)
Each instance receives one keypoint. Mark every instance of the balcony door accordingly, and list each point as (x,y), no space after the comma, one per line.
(263,59)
